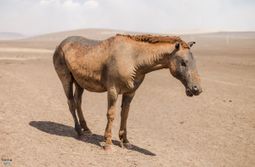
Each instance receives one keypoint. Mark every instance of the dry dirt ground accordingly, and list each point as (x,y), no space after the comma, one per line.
(165,127)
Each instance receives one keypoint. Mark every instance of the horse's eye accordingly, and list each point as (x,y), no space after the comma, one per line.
(183,63)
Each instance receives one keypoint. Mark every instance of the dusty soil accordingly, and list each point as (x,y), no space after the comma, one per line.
(165,127)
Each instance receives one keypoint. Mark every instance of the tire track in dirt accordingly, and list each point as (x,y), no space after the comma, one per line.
(26,50)
(228,83)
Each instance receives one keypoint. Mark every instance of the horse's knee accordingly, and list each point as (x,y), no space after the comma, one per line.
(110,116)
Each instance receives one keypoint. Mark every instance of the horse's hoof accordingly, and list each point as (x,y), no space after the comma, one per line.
(87,132)
(107,147)
(79,133)
(78,130)
(121,145)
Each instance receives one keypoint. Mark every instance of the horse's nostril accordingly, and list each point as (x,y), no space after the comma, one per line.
(195,88)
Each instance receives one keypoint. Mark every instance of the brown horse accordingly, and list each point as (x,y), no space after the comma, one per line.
(118,66)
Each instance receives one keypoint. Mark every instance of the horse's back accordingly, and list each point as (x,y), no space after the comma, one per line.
(79,39)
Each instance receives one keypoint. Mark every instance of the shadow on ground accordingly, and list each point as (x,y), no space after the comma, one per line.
(68,131)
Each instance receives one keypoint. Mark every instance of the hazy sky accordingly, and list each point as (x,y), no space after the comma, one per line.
(164,16)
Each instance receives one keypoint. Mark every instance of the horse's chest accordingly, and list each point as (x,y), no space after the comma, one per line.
(130,85)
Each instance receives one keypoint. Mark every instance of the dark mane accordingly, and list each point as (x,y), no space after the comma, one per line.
(156,39)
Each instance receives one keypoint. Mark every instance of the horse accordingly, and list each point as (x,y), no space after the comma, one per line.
(118,66)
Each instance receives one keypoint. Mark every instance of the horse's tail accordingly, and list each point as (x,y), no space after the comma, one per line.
(58,56)
(59,59)
(61,66)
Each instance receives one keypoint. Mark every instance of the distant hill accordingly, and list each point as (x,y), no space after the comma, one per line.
(96,34)
(10,36)
(231,34)
(100,34)
(51,40)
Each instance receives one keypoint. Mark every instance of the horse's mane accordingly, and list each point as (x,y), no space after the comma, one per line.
(156,39)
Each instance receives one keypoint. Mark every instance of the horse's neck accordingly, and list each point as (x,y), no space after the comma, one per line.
(153,57)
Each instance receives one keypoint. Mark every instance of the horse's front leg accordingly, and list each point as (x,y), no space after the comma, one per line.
(126,100)
(112,96)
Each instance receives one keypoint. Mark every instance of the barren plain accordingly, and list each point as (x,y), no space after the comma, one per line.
(166,127)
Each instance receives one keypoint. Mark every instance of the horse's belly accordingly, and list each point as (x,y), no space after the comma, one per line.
(90,84)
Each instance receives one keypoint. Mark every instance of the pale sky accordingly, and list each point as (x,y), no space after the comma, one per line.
(32,17)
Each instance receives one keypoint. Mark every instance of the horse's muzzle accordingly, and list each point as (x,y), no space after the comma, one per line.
(195,90)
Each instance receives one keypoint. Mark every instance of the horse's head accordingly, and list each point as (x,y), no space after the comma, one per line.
(182,66)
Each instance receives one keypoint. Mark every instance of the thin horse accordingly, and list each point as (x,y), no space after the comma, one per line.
(118,66)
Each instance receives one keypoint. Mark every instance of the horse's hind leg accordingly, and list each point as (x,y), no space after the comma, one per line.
(66,79)
(78,99)
(68,87)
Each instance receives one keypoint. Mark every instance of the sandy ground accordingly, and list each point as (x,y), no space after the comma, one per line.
(165,127)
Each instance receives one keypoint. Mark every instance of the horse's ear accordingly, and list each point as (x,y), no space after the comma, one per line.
(191,43)
(177,45)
